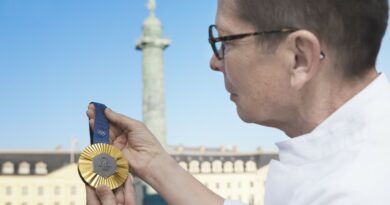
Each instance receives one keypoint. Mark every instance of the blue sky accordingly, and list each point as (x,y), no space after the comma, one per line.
(57,56)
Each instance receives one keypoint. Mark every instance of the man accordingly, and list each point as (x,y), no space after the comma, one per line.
(307,68)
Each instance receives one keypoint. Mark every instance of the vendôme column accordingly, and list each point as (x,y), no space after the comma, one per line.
(152,45)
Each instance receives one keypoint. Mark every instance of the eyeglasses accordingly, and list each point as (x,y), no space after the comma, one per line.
(218,47)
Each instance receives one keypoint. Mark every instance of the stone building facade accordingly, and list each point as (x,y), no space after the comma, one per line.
(49,178)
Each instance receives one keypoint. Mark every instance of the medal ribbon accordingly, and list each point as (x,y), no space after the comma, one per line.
(100,132)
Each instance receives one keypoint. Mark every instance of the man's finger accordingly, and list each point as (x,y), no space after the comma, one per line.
(92,199)
(120,198)
(91,123)
(91,111)
(121,120)
(120,142)
(106,196)
(129,191)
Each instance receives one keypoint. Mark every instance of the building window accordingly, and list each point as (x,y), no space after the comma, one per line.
(72,203)
(40,191)
(24,191)
(217,185)
(238,166)
(228,185)
(217,166)
(73,190)
(250,166)
(228,167)
(239,185)
(206,167)
(40,203)
(57,190)
(56,203)
(183,165)
(24,168)
(40,168)
(24,203)
(194,166)
(8,203)
(8,168)
(252,200)
(8,190)
(251,184)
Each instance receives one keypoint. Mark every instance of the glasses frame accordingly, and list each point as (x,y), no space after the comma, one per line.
(213,40)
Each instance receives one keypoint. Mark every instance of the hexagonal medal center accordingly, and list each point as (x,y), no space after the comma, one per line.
(104,165)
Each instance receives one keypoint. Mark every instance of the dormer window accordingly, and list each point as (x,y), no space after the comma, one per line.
(250,166)
(8,168)
(24,168)
(238,166)
(183,165)
(194,166)
(40,168)
(217,166)
(206,167)
(228,167)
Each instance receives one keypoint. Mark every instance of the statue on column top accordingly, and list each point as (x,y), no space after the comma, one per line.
(152,5)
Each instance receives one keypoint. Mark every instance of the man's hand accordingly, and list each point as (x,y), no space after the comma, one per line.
(124,195)
(149,161)
(133,138)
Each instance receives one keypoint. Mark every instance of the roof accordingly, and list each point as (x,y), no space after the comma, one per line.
(261,159)
(53,160)
(57,160)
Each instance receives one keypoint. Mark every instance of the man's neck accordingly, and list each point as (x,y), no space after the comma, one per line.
(321,98)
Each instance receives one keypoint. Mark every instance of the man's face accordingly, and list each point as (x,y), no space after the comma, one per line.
(257,81)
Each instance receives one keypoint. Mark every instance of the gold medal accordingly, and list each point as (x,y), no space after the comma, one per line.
(103,164)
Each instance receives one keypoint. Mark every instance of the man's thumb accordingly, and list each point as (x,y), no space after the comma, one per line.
(105,195)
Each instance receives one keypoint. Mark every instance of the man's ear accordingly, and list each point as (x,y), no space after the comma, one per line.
(306,49)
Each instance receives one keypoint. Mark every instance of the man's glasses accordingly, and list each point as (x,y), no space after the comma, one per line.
(217,41)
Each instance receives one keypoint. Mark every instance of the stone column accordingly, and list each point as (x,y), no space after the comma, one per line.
(152,45)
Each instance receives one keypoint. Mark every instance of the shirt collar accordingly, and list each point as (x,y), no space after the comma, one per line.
(342,128)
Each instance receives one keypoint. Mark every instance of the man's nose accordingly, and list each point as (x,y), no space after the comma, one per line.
(216,64)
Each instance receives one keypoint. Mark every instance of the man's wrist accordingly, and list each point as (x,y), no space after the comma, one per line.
(167,177)
(156,169)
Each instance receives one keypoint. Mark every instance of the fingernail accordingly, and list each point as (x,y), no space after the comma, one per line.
(101,190)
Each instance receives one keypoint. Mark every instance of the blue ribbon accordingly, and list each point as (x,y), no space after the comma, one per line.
(99,134)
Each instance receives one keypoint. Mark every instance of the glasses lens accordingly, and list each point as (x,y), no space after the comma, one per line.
(218,46)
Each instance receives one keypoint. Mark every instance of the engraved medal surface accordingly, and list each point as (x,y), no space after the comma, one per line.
(104,165)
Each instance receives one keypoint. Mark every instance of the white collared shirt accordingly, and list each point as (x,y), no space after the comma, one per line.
(343,161)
